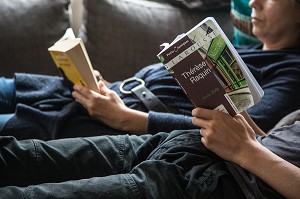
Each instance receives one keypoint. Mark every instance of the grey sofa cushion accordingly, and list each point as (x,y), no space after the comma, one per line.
(28,28)
(201,4)
(123,36)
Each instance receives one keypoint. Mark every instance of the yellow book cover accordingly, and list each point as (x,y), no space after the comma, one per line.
(71,58)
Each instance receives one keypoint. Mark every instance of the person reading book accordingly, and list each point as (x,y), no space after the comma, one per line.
(226,157)
(48,114)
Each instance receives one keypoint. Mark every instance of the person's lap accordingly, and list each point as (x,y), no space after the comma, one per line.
(174,165)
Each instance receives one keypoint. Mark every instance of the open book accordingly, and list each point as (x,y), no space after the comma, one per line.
(72,60)
(209,70)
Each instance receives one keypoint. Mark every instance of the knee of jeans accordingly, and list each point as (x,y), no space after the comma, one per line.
(152,175)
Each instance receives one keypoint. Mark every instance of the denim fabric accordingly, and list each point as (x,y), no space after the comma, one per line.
(7,100)
(166,166)
(7,95)
(4,118)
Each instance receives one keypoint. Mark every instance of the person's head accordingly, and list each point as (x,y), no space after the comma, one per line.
(276,22)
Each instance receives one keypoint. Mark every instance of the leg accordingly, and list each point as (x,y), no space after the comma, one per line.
(119,186)
(29,162)
(67,162)
(160,166)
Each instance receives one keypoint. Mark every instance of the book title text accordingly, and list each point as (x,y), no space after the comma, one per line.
(197,73)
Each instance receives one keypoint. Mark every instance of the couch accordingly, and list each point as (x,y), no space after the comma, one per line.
(121,36)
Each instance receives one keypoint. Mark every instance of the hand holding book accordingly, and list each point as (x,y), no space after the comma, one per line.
(71,58)
(209,70)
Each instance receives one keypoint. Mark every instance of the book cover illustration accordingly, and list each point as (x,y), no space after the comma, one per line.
(207,70)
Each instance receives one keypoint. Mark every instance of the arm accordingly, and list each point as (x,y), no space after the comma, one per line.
(110,109)
(233,139)
(167,122)
(279,174)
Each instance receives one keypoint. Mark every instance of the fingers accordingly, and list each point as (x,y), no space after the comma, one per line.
(83,94)
(98,75)
(203,113)
(240,119)
(79,94)
(203,140)
(103,88)
(199,117)
(202,117)
(81,89)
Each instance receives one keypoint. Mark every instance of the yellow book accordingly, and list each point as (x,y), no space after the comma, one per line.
(72,60)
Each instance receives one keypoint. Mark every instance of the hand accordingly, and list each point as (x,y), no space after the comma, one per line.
(234,140)
(109,108)
(99,77)
(231,138)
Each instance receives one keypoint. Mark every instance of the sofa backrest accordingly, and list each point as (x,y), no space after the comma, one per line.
(28,28)
(123,36)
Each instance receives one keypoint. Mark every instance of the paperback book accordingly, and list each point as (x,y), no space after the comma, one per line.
(209,70)
(72,60)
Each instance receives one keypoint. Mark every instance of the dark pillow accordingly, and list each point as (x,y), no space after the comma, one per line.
(123,36)
(201,4)
(28,29)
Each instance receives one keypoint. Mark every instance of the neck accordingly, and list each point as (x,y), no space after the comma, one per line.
(293,40)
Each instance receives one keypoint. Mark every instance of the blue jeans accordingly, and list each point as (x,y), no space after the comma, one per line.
(7,99)
(163,166)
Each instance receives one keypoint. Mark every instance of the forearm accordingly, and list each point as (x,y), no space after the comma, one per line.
(135,122)
(275,171)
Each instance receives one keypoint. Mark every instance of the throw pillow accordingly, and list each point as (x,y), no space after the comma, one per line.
(28,29)
(201,4)
(241,17)
(122,36)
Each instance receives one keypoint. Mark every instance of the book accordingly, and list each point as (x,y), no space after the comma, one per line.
(209,69)
(72,60)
